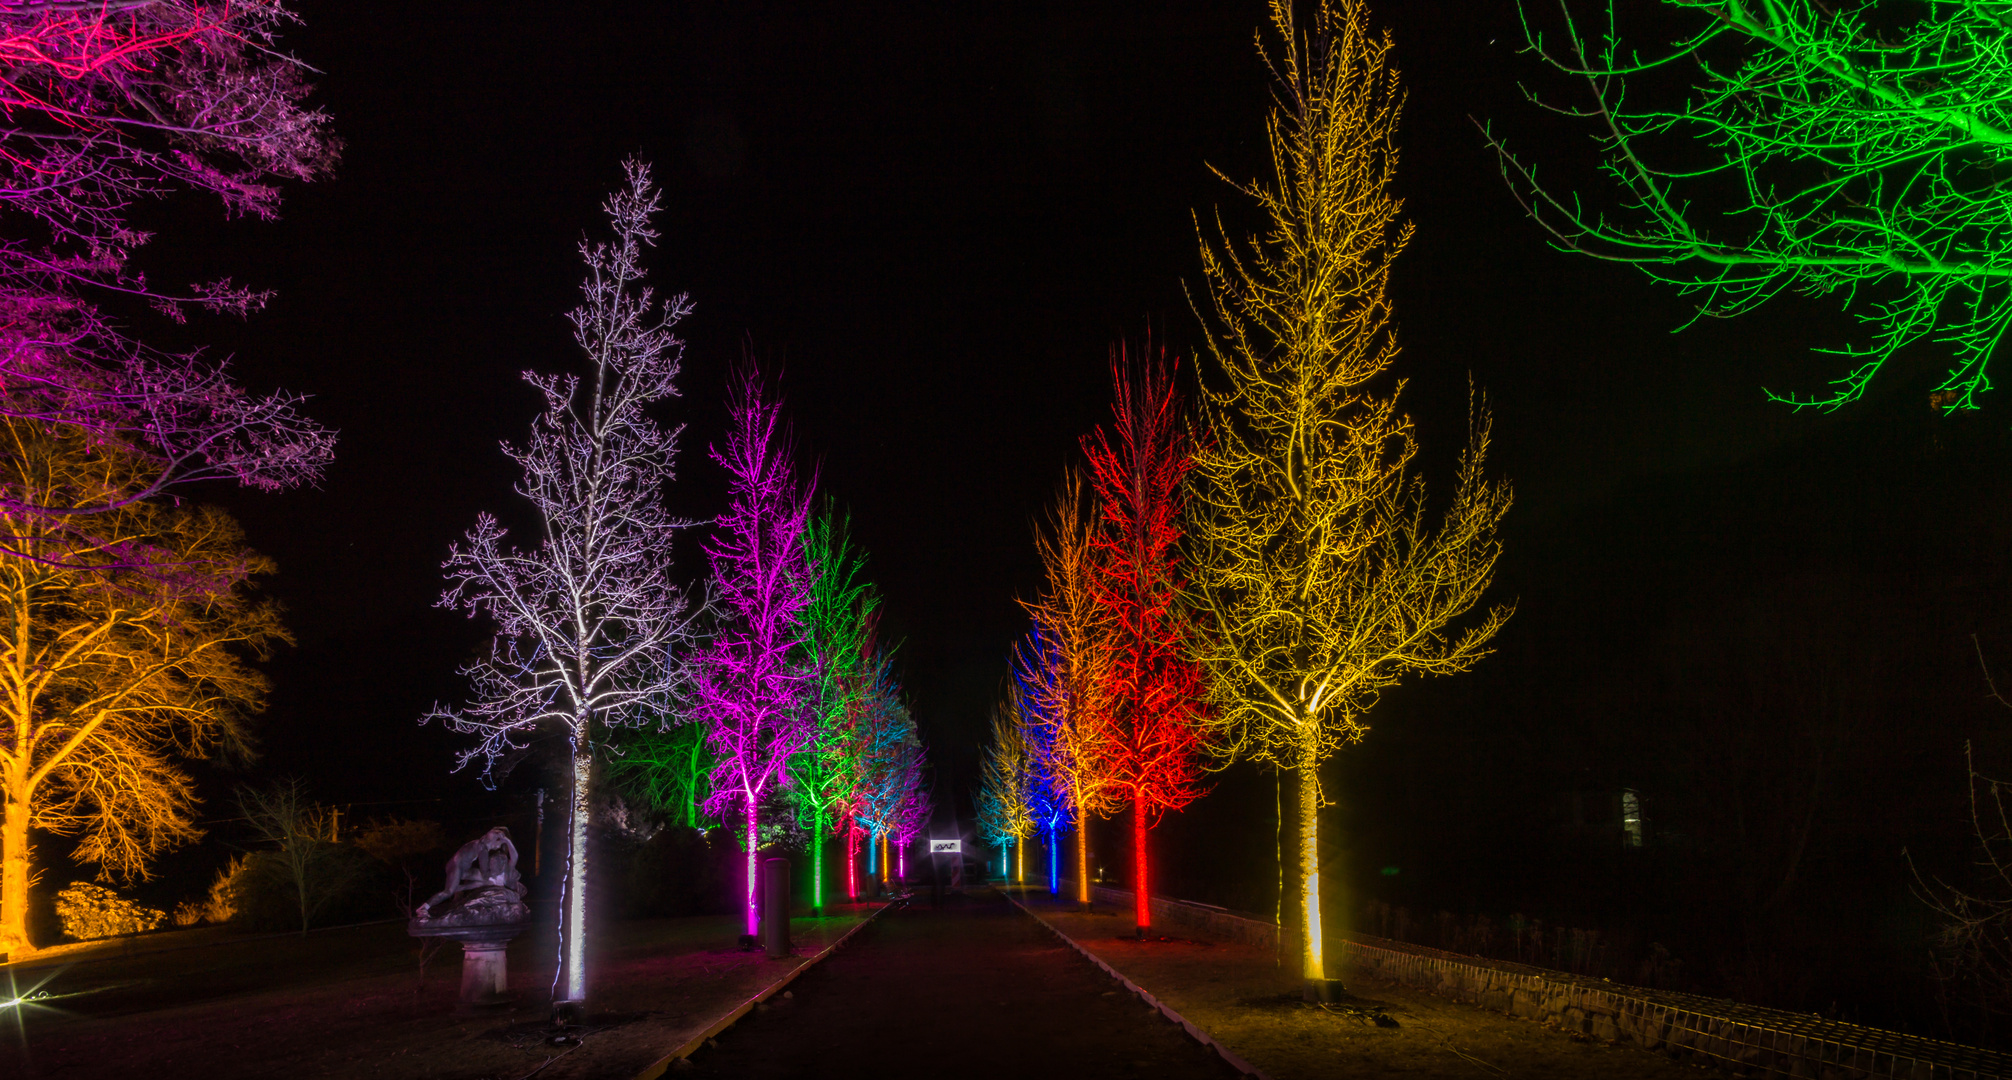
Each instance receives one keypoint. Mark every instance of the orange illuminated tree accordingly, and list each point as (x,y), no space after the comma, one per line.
(122,637)
(1061,665)
(1314,564)
(1149,695)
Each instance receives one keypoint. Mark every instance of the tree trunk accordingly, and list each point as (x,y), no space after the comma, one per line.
(1311,965)
(1054,865)
(1083,864)
(1142,907)
(14,943)
(575,917)
(817,862)
(852,863)
(754,872)
(1020,862)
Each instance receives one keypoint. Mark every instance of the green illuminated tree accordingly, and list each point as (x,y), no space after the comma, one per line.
(665,767)
(1791,144)
(835,630)
(1318,578)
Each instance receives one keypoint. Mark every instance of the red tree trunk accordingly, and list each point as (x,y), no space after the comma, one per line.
(1140,903)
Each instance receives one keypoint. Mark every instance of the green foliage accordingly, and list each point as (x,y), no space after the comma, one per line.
(1793,144)
(92,911)
(664,768)
(836,627)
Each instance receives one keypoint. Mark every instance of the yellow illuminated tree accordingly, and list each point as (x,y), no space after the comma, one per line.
(1060,661)
(1319,579)
(120,642)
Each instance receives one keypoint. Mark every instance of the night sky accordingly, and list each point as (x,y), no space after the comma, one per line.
(935,223)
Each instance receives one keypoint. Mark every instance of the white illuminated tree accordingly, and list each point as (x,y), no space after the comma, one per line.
(589,621)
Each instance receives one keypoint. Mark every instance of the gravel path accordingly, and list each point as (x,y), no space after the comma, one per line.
(973,989)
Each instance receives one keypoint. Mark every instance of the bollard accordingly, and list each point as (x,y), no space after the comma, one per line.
(775,907)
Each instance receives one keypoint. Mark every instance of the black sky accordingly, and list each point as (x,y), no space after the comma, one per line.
(935,220)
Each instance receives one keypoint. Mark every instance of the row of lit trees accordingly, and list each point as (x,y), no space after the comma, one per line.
(773,702)
(1248,577)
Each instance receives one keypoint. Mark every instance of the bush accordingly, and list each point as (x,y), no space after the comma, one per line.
(90,912)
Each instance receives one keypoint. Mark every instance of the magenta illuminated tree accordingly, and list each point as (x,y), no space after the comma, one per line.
(107,105)
(754,688)
(589,620)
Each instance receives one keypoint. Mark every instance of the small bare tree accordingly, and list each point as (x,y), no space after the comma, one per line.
(302,833)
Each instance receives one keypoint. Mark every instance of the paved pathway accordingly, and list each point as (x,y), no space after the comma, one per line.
(973,989)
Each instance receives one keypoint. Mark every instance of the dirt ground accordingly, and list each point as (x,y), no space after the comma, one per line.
(1241,996)
(349,1003)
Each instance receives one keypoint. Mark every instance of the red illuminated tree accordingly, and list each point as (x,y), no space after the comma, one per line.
(108,104)
(1146,729)
(755,689)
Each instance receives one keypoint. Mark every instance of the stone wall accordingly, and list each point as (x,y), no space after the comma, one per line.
(1744,1040)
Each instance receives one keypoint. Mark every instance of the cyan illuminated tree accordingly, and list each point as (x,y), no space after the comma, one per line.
(756,693)
(123,641)
(1004,818)
(1060,666)
(1320,581)
(889,757)
(589,620)
(110,105)
(1148,720)
(835,629)
(1790,144)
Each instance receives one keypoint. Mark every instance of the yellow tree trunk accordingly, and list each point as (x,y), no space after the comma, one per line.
(1082,865)
(14,941)
(1311,962)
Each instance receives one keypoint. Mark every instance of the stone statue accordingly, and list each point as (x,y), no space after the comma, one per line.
(483,885)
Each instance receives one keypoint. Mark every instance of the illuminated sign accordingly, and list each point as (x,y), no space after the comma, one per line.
(945,847)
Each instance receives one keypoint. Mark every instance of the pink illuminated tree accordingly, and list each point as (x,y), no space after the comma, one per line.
(589,621)
(755,688)
(107,104)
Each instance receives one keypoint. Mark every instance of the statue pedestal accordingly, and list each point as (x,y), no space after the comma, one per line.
(485,964)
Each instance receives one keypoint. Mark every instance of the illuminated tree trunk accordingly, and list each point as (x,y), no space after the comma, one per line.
(1311,964)
(576,869)
(884,876)
(1083,864)
(754,866)
(1054,866)
(1141,906)
(14,941)
(852,864)
(1020,863)
(817,863)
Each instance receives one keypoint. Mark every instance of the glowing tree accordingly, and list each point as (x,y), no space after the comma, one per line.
(889,756)
(665,767)
(755,690)
(1044,790)
(121,656)
(108,105)
(1059,667)
(1316,571)
(589,620)
(1150,699)
(1817,147)
(912,813)
(1004,818)
(835,627)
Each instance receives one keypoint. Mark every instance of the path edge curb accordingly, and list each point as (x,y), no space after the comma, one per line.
(691,1046)
(1193,1029)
